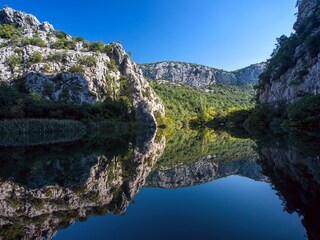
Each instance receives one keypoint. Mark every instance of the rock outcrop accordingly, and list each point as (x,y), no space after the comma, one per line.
(295,72)
(56,66)
(200,76)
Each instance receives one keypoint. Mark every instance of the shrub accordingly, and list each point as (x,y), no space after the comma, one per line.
(89,61)
(64,44)
(305,113)
(14,60)
(96,46)
(79,39)
(113,65)
(57,57)
(36,57)
(8,31)
(36,41)
(60,34)
(77,69)
(108,49)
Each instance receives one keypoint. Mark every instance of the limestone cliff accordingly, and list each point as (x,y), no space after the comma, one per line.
(199,75)
(41,60)
(293,70)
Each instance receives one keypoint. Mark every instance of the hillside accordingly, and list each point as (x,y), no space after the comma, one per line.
(200,76)
(49,67)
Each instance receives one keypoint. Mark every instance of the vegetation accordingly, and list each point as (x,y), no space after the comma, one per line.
(9,31)
(284,56)
(77,69)
(13,61)
(305,114)
(39,125)
(184,103)
(20,105)
(36,41)
(88,61)
(187,146)
(36,57)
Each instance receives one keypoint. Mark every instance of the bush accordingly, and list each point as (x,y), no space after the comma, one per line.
(14,60)
(96,46)
(113,65)
(37,41)
(64,44)
(8,31)
(305,114)
(89,61)
(77,69)
(36,57)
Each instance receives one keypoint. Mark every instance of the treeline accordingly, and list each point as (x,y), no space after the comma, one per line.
(185,104)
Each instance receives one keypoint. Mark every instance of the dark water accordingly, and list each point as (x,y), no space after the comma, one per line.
(185,185)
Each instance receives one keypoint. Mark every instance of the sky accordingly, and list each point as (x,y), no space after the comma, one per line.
(225,34)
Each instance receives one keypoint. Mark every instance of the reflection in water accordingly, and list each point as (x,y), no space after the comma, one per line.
(296,177)
(44,189)
(48,188)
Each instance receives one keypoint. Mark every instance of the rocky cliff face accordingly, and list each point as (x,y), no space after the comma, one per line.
(71,185)
(199,75)
(56,66)
(294,74)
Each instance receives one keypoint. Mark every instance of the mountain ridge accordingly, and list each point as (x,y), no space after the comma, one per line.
(200,76)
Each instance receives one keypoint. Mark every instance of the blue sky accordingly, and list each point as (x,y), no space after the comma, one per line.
(219,33)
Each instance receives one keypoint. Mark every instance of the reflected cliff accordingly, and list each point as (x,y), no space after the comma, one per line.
(193,158)
(292,164)
(47,188)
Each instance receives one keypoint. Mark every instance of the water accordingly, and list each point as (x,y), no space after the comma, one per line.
(187,185)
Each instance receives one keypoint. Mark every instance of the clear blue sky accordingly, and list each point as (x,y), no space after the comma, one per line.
(227,34)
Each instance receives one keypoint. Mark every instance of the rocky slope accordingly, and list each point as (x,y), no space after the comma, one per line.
(199,75)
(75,182)
(294,71)
(50,63)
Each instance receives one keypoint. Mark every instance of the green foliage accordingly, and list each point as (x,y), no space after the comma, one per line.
(36,41)
(89,61)
(9,31)
(64,44)
(16,105)
(14,60)
(57,57)
(96,46)
(113,65)
(183,102)
(60,34)
(108,49)
(79,39)
(305,114)
(185,147)
(284,56)
(35,57)
(39,125)
(77,69)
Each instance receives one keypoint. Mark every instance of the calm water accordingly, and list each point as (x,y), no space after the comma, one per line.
(188,185)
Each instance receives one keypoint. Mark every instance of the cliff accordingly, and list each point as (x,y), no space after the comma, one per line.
(293,70)
(200,76)
(38,59)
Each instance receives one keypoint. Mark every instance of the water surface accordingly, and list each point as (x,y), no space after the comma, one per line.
(185,185)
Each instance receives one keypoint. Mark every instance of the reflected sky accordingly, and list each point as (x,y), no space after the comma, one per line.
(229,208)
